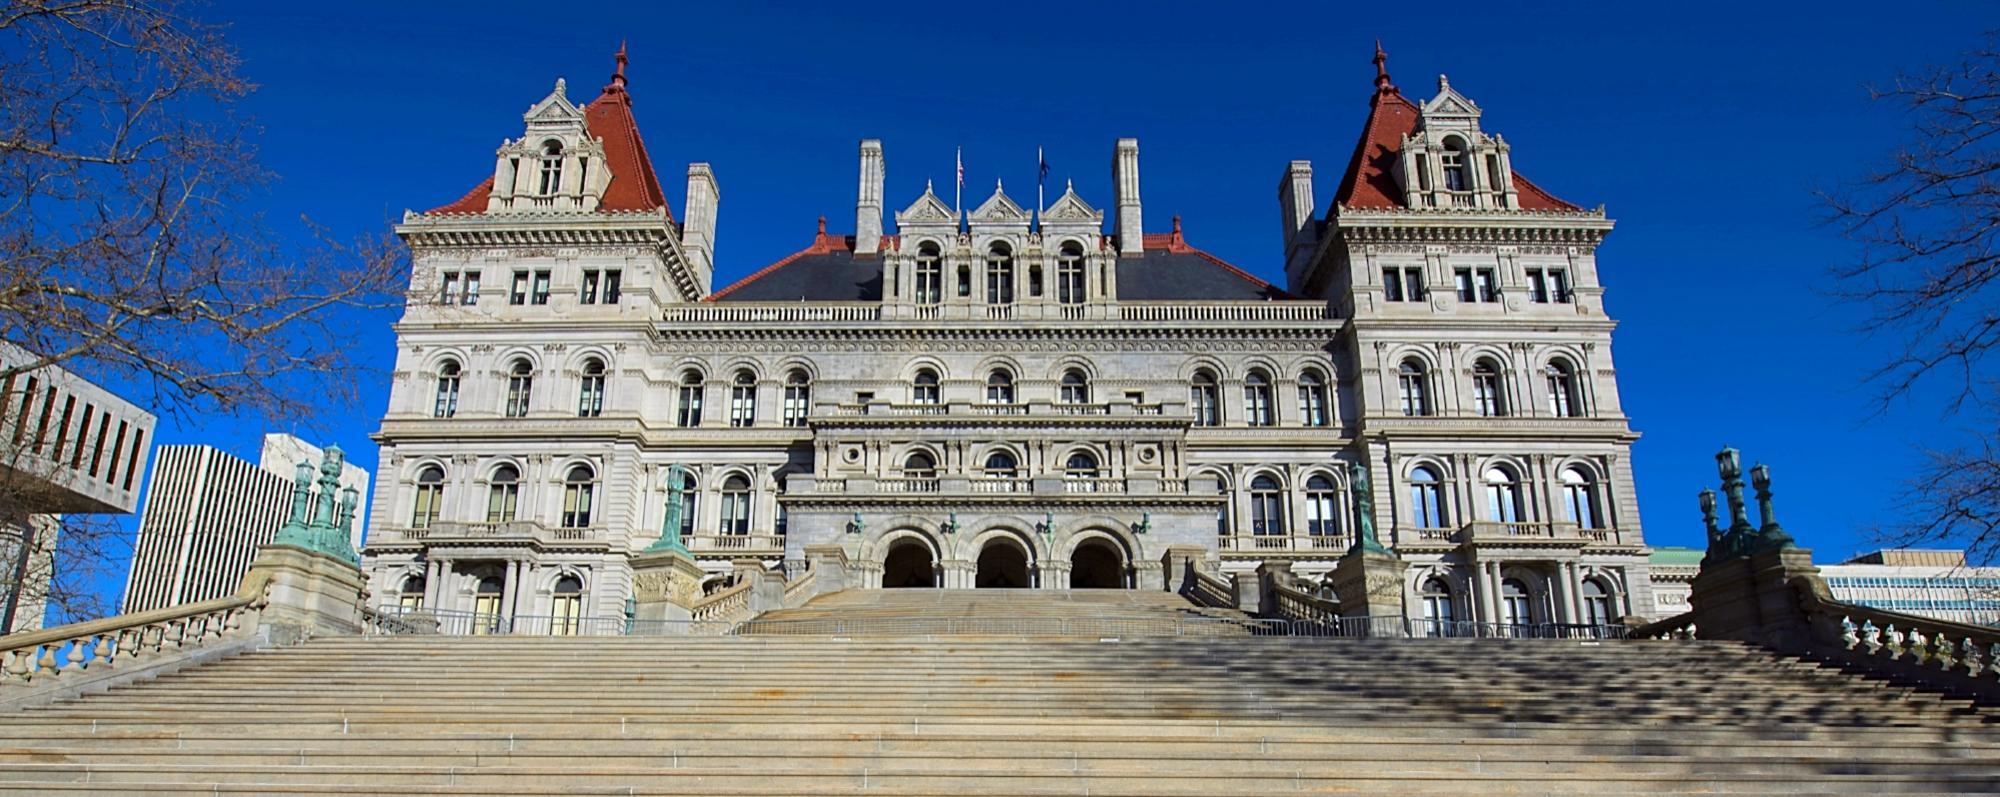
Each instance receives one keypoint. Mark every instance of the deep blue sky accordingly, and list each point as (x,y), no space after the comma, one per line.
(1703,130)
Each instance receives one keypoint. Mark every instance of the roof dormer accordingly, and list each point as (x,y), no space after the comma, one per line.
(1448,162)
(555,165)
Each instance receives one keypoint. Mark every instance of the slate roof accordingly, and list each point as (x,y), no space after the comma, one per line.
(828,271)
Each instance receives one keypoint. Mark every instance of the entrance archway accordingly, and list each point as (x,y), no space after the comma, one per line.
(1002,565)
(909,564)
(1096,564)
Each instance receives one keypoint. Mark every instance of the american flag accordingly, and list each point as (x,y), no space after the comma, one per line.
(961,166)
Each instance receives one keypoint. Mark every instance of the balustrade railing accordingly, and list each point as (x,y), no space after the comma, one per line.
(1207,590)
(801,589)
(1001,484)
(741,312)
(1093,484)
(1910,641)
(1263,543)
(725,606)
(702,543)
(55,653)
(907,485)
(1225,311)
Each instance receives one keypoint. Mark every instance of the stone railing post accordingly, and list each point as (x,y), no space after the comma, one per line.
(767,588)
(1270,574)
(1368,582)
(311,593)
(1179,565)
(666,581)
(829,566)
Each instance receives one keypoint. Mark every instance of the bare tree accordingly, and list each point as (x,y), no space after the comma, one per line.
(1927,225)
(126,254)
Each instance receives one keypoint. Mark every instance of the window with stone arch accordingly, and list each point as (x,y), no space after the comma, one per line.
(1002,465)
(1516,607)
(1438,610)
(590,392)
(1413,387)
(1267,507)
(410,594)
(1075,387)
(1312,399)
(1069,274)
(1322,507)
(1487,399)
(503,494)
(929,288)
(552,168)
(688,414)
(1564,400)
(798,397)
(924,388)
(999,275)
(520,388)
(1080,472)
(743,400)
(920,466)
(736,510)
(430,497)
(579,493)
(1503,495)
(1427,506)
(448,375)
(1580,498)
(566,606)
(1598,606)
(1222,510)
(1457,175)
(1257,408)
(1000,387)
(1205,398)
(690,495)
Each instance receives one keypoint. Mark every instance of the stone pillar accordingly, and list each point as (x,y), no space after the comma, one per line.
(665,582)
(434,572)
(1149,575)
(310,593)
(829,567)
(767,590)
(1270,573)
(1752,599)
(1178,566)
(1249,597)
(1369,583)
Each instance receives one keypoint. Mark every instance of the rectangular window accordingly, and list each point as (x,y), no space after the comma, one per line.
(1403,284)
(449,293)
(471,288)
(1559,285)
(589,287)
(798,402)
(1462,278)
(1489,285)
(1392,285)
(519,294)
(742,406)
(541,292)
(613,286)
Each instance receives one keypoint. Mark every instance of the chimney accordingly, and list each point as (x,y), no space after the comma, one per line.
(1125,172)
(1295,206)
(698,225)
(868,208)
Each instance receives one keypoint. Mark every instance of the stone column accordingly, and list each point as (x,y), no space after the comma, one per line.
(1560,599)
(434,572)
(508,578)
(1573,585)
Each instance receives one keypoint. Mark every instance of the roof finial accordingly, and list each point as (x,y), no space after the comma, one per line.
(822,226)
(618,76)
(1177,223)
(1382,84)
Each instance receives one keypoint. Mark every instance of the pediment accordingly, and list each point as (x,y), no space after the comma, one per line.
(999,207)
(1449,104)
(927,208)
(554,108)
(1070,207)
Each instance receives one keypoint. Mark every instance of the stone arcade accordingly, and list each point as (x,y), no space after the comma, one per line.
(1008,397)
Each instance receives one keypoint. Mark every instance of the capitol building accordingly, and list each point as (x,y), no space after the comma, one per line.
(1061,397)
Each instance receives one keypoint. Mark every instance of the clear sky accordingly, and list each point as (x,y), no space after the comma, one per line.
(1702,128)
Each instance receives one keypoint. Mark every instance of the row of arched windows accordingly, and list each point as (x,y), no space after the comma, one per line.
(928,280)
(1489,397)
(1001,465)
(565,603)
(519,398)
(1259,398)
(503,496)
(1505,501)
(1515,603)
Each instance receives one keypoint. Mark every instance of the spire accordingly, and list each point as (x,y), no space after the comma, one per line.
(822,227)
(618,77)
(1382,84)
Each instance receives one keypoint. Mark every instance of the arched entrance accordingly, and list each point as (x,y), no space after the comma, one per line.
(909,564)
(1002,565)
(1096,564)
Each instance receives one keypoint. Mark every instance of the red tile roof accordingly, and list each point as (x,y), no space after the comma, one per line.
(822,244)
(633,186)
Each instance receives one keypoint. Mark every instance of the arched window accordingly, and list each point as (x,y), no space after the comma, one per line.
(736,504)
(566,607)
(1597,608)
(689,496)
(1322,507)
(798,397)
(1413,388)
(578,492)
(1204,399)
(1267,507)
(930,274)
(1069,274)
(919,465)
(1427,508)
(999,387)
(430,497)
(1563,399)
(1486,397)
(1080,472)
(486,605)
(520,386)
(1001,465)
(1503,496)
(1515,607)
(1437,607)
(1222,510)
(447,390)
(410,596)
(1580,498)
(924,389)
(999,275)
(590,397)
(1075,388)
(1456,175)
(1312,399)
(503,494)
(552,166)
(1257,399)
(743,400)
(689,414)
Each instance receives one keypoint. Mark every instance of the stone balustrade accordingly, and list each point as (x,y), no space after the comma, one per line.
(51,655)
(1268,543)
(497,531)
(1952,654)
(747,543)
(728,605)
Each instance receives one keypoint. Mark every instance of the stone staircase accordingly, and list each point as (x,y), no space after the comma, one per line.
(998,714)
(1082,612)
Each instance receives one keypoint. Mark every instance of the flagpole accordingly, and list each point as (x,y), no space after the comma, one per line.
(1041,181)
(958,192)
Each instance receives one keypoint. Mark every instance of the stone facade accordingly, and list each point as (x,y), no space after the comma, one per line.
(1008,396)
